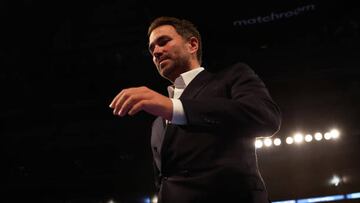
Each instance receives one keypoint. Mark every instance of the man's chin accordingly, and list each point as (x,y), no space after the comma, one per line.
(164,69)
(167,74)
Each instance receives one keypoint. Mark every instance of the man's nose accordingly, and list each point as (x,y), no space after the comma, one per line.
(157,52)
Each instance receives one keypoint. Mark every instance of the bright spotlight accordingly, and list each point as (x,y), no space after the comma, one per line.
(318,136)
(355,195)
(327,136)
(258,143)
(277,141)
(308,138)
(289,140)
(154,199)
(335,133)
(298,138)
(267,142)
(335,180)
(147,200)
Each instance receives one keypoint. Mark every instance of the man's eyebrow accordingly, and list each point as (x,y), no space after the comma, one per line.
(151,45)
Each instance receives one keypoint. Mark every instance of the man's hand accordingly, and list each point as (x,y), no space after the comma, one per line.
(132,100)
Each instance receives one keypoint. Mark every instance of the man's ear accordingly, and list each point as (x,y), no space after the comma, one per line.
(193,44)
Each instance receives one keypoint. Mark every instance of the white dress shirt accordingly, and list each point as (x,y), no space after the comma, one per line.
(175,92)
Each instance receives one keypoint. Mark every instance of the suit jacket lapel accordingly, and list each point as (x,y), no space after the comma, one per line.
(198,83)
(194,87)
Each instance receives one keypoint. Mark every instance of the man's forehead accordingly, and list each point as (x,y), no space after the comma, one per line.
(161,31)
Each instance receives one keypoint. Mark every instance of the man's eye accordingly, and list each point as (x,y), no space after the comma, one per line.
(163,42)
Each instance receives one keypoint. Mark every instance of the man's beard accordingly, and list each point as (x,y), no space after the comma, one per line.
(178,66)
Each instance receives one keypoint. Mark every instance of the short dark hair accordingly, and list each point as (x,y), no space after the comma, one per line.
(183,27)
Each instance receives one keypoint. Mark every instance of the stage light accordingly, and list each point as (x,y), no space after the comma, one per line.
(318,136)
(298,138)
(289,140)
(285,201)
(355,195)
(258,143)
(335,180)
(308,138)
(327,136)
(330,198)
(268,142)
(335,133)
(277,141)
(322,199)
(154,199)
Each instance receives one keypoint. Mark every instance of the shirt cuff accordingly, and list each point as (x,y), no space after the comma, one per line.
(178,117)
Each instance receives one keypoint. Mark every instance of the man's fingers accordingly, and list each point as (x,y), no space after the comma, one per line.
(136,108)
(119,103)
(127,104)
(114,101)
(132,100)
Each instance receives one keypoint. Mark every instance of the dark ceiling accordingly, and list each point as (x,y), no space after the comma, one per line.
(63,61)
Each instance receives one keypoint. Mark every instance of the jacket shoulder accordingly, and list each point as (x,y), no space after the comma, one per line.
(236,69)
(240,66)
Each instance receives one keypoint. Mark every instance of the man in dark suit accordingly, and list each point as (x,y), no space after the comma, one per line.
(203,137)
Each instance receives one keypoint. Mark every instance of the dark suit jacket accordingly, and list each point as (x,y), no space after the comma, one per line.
(212,158)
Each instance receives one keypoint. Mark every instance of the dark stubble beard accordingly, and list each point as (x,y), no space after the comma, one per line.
(180,65)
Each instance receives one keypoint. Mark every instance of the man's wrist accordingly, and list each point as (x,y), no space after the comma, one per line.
(178,114)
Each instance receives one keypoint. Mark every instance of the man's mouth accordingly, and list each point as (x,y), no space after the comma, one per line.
(161,62)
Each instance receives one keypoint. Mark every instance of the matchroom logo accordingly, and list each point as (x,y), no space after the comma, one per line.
(275,16)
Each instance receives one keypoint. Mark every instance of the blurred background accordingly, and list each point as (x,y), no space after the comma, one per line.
(62,62)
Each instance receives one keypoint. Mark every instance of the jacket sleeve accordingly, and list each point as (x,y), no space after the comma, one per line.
(245,104)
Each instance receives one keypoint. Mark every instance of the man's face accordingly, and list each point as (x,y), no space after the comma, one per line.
(171,53)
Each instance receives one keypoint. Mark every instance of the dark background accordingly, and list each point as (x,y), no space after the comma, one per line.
(62,62)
